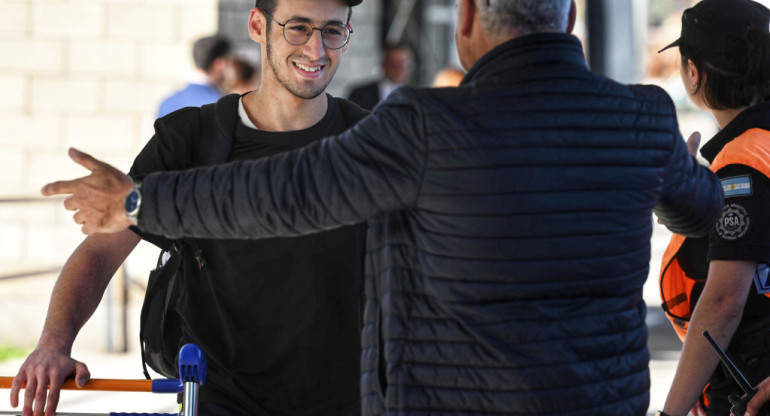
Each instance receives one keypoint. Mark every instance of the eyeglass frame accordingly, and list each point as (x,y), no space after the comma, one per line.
(347,27)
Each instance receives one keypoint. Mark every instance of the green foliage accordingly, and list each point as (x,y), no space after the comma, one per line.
(10,351)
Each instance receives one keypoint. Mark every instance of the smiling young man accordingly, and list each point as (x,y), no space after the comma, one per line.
(277,318)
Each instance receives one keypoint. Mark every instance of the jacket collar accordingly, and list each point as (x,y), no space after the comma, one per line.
(517,53)
(757,116)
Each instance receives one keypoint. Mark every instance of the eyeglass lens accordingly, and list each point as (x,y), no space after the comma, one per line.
(334,35)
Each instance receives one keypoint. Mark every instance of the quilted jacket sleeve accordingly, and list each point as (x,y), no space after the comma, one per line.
(375,167)
(692,199)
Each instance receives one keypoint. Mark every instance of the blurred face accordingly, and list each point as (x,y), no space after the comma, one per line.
(304,70)
(397,65)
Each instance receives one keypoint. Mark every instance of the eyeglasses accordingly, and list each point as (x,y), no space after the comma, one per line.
(298,32)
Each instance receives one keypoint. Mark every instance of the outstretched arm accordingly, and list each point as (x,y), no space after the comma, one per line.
(377,166)
(692,197)
(75,297)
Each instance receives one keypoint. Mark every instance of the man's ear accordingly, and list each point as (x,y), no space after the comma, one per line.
(466,17)
(257,25)
(572,17)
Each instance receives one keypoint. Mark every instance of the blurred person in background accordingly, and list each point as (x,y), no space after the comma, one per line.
(719,283)
(241,75)
(448,77)
(509,221)
(397,66)
(277,319)
(205,86)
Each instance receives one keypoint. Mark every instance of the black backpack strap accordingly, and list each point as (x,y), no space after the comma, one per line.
(217,128)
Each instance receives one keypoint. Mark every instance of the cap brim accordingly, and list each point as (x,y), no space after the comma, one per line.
(352,3)
(671,45)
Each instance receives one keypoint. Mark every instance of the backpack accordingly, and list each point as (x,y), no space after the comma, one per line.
(160,324)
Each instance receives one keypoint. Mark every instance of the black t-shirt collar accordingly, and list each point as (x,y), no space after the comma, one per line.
(307,135)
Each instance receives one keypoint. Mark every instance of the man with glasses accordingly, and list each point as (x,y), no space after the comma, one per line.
(509,221)
(278,319)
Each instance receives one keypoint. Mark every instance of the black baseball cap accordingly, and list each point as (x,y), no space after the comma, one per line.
(711,22)
(352,3)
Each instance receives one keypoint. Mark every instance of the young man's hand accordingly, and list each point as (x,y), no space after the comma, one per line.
(98,198)
(41,377)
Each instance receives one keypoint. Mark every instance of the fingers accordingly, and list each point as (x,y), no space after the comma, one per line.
(59,188)
(68,187)
(29,396)
(18,382)
(82,375)
(84,159)
(759,399)
(54,390)
(693,142)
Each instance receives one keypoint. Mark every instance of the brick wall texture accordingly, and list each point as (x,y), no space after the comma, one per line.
(90,74)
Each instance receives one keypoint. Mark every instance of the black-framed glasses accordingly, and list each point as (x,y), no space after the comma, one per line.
(298,32)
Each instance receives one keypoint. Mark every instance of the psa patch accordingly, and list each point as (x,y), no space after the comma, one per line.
(734,223)
(737,186)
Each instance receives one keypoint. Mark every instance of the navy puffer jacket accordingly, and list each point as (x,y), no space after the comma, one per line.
(509,237)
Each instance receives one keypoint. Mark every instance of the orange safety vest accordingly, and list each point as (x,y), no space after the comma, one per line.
(751,149)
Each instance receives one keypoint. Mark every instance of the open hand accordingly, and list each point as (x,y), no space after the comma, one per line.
(98,198)
(41,376)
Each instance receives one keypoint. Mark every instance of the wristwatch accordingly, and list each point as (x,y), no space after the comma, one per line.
(133,203)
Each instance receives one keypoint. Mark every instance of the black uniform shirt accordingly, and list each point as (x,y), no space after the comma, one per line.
(743,232)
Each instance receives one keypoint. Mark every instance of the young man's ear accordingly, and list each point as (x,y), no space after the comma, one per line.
(257,25)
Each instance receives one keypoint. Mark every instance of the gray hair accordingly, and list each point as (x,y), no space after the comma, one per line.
(524,16)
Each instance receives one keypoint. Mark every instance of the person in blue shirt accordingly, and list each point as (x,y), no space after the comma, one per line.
(210,57)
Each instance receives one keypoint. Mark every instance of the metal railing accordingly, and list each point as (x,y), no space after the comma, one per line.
(55,269)
(27,200)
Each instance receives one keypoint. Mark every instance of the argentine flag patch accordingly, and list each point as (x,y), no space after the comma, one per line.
(737,186)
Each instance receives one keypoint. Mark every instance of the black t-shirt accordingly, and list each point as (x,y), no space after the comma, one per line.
(277,318)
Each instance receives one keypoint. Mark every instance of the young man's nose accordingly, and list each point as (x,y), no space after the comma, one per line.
(314,47)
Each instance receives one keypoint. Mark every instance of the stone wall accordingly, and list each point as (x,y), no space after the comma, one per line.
(90,74)
(84,73)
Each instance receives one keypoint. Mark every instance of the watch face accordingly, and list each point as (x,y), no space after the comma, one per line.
(132,201)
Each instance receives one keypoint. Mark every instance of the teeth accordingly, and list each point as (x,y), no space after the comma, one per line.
(308,68)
